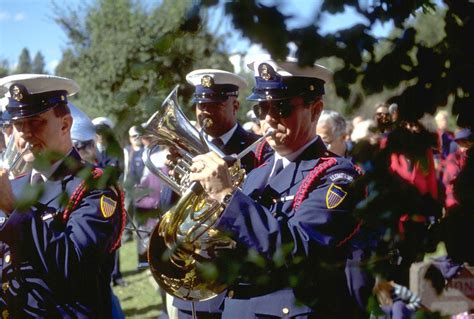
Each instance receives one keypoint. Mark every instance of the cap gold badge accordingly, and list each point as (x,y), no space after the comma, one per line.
(107,206)
(207,81)
(16,93)
(264,72)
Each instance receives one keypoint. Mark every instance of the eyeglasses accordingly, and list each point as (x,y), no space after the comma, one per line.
(282,109)
(382,114)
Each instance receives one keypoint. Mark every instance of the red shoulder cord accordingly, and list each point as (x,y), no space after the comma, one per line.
(79,194)
(259,153)
(324,164)
(310,180)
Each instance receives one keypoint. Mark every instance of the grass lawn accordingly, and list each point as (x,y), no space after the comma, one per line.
(140,298)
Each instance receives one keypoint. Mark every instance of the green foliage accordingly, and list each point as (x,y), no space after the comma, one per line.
(24,62)
(4,68)
(430,58)
(38,64)
(140,299)
(127,58)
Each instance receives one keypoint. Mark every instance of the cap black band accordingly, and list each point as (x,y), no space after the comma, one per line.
(22,104)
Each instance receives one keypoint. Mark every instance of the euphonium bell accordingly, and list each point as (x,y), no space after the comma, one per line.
(184,237)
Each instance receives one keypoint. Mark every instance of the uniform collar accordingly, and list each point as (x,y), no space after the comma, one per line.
(224,137)
(287,159)
(306,159)
(48,171)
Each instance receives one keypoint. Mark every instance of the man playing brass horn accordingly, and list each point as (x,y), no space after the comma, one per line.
(215,99)
(292,220)
(60,242)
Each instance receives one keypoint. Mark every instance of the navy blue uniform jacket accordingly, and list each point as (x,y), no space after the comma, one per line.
(263,217)
(55,268)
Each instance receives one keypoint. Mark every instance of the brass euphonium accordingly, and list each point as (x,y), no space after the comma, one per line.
(184,237)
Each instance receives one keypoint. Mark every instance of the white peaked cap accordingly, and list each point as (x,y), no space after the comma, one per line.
(220,77)
(82,128)
(290,67)
(102,120)
(39,83)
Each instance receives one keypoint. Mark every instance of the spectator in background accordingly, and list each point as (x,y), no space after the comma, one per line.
(133,170)
(445,136)
(393,110)
(5,125)
(110,159)
(133,157)
(364,131)
(110,154)
(455,163)
(147,199)
(83,139)
(356,120)
(83,135)
(382,118)
(332,130)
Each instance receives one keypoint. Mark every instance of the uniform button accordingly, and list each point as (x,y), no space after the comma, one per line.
(285,311)
(230,294)
(7,258)
(5,314)
(5,286)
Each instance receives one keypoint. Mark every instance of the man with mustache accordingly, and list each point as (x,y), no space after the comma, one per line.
(292,221)
(61,228)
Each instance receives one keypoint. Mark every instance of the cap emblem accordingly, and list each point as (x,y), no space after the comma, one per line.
(207,81)
(266,72)
(16,93)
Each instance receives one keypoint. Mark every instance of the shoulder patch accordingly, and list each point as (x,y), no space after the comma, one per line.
(107,206)
(334,196)
(341,177)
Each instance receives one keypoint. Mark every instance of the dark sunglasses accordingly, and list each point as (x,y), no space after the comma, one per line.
(282,109)
(381,114)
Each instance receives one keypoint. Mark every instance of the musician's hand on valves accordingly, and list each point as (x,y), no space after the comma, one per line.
(171,161)
(213,174)
(7,198)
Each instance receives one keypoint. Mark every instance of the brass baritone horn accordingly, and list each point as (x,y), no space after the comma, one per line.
(184,237)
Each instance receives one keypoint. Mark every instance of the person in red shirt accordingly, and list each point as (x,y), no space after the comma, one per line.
(455,163)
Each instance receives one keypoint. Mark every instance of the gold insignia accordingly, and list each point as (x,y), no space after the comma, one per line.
(5,286)
(7,258)
(16,93)
(334,196)
(264,74)
(107,206)
(207,81)
(311,87)
(5,314)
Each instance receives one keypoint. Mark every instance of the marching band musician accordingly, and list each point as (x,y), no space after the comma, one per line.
(297,205)
(215,99)
(61,243)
